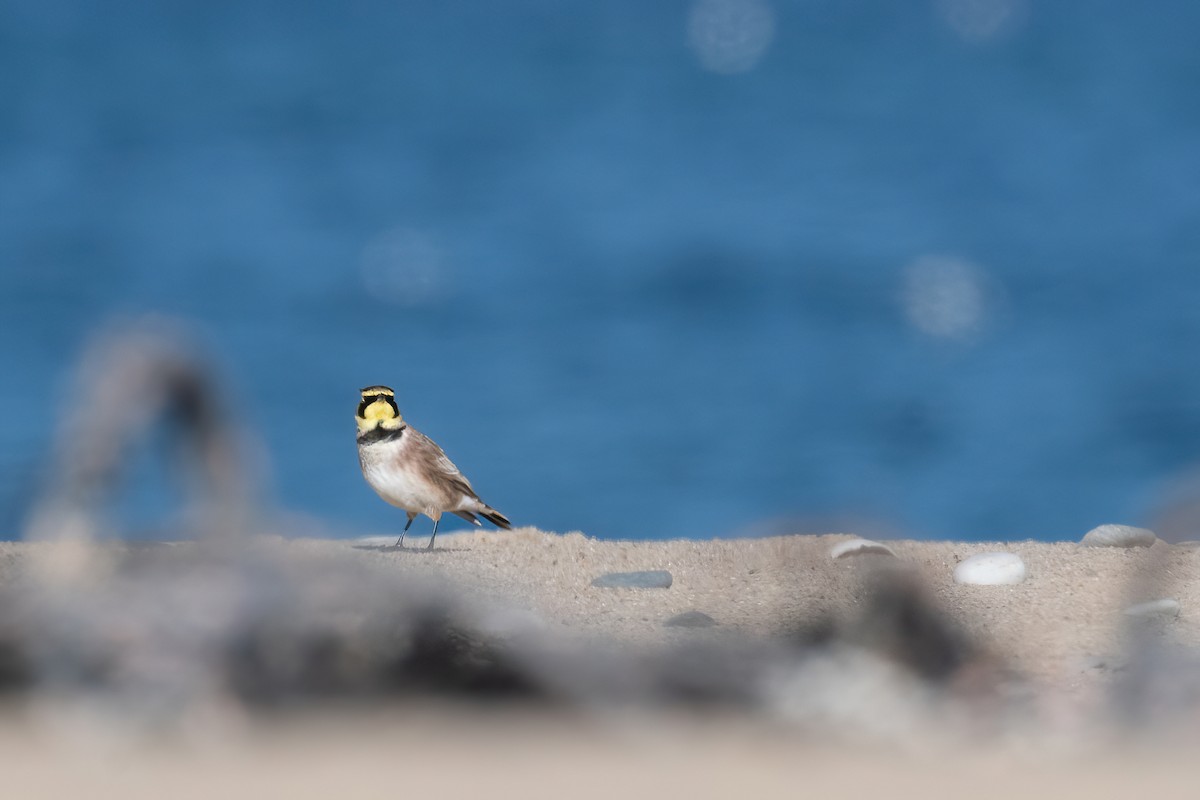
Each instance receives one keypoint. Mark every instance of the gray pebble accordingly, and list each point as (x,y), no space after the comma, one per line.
(648,579)
(1166,607)
(1100,664)
(1118,536)
(855,547)
(691,619)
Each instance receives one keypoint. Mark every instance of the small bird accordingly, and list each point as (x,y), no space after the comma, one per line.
(407,468)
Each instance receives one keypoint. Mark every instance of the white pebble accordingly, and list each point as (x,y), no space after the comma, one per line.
(1166,607)
(1118,536)
(990,569)
(859,547)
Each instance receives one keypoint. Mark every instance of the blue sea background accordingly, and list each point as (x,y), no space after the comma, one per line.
(645,270)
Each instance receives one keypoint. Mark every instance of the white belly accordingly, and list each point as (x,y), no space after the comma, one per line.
(400,481)
(401,488)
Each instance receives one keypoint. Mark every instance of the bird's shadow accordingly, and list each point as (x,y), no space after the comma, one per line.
(391,548)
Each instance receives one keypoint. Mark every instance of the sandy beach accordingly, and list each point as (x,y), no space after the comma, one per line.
(1061,634)
(1067,611)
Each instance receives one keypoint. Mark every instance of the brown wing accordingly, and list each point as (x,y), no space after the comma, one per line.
(440,468)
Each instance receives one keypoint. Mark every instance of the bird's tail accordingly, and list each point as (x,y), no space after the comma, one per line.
(495,517)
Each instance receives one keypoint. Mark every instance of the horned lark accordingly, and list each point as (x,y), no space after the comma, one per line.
(407,468)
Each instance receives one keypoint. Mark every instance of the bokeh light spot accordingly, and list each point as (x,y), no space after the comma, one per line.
(730,36)
(945,297)
(404,266)
(982,20)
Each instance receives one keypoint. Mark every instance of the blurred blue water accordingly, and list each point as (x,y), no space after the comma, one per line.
(626,293)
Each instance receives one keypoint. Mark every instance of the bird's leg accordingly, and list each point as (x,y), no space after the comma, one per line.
(400,541)
(436,520)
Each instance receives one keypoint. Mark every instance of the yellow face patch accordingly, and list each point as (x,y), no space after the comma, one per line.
(378,411)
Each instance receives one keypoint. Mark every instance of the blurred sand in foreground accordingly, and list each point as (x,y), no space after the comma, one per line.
(471,756)
(1059,640)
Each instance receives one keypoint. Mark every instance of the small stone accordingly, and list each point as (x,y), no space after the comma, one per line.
(648,579)
(1118,536)
(691,619)
(859,547)
(1099,664)
(1166,607)
(990,569)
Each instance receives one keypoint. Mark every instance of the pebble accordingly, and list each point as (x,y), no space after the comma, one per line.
(691,619)
(990,569)
(1166,607)
(649,579)
(1100,664)
(1118,536)
(859,547)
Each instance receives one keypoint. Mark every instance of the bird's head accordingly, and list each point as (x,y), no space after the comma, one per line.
(377,409)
